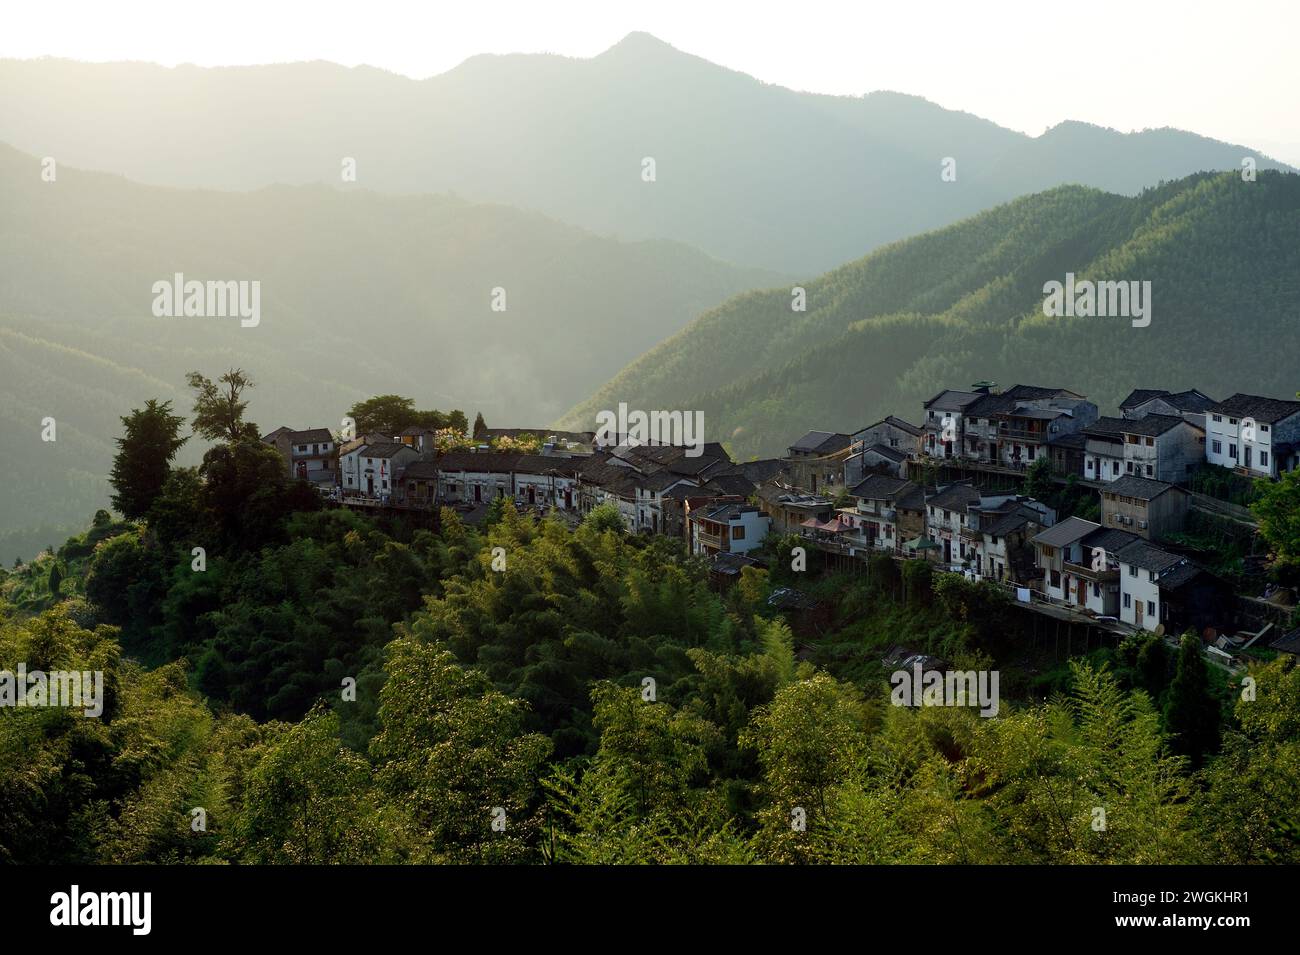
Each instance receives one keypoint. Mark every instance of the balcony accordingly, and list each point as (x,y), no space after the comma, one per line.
(1022,434)
(717,541)
(1085,572)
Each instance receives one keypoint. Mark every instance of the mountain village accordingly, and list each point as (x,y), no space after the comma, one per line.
(947,490)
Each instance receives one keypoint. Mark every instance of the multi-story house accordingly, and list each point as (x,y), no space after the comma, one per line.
(1161,447)
(1141,565)
(890,432)
(727,527)
(1062,559)
(1190,405)
(350,462)
(1259,437)
(380,466)
(1148,508)
(816,461)
(650,491)
(875,514)
(996,535)
(309,455)
(945,518)
(942,427)
(874,459)
(1094,582)
(1013,427)
(1025,431)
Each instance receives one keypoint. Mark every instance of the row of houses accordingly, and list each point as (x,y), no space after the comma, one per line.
(1138,461)
(703,499)
(1159,434)
(859,493)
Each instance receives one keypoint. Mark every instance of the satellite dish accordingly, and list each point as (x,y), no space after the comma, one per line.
(1160,630)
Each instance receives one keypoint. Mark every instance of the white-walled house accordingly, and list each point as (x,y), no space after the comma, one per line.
(1141,566)
(476,477)
(350,461)
(650,491)
(1160,447)
(874,516)
(945,520)
(943,428)
(1256,436)
(547,480)
(380,466)
(1097,578)
(733,527)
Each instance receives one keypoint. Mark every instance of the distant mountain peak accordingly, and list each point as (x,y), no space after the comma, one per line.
(641,46)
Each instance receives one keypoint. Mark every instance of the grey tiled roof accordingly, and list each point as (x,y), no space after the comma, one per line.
(1130,485)
(1267,410)
(1067,532)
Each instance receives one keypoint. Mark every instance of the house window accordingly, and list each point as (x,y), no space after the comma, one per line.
(1056,578)
(1148,470)
(1151,442)
(1096,590)
(1217,417)
(1115,469)
(1232,451)
(1263,459)
(1263,429)
(738,533)
(1218,446)
(1128,601)
(1151,608)
(1132,570)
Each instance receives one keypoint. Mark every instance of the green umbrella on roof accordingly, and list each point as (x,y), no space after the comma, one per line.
(922,543)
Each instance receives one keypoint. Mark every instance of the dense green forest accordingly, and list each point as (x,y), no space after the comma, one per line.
(358,291)
(965,304)
(748,171)
(325,688)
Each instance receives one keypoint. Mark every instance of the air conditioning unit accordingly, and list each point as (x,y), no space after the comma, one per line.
(1142,524)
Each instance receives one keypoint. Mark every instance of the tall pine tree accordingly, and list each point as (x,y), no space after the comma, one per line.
(144,456)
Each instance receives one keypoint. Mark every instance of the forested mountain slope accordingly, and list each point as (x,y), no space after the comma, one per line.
(965,303)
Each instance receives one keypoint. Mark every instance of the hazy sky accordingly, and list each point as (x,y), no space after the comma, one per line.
(1222,70)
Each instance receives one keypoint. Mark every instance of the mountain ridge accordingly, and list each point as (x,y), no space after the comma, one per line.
(750,172)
